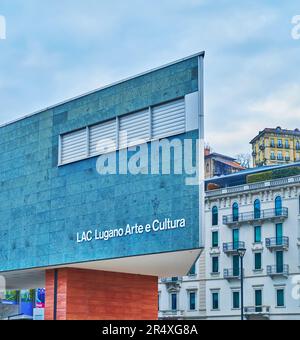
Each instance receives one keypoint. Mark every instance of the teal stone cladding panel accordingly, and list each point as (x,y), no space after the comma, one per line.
(44,206)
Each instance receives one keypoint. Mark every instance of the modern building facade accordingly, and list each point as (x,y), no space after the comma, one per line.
(92,203)
(276,146)
(264,218)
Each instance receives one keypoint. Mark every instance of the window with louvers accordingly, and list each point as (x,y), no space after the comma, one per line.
(126,131)
(73,146)
(168,119)
(102,138)
(134,129)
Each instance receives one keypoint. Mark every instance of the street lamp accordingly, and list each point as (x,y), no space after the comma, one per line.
(242,251)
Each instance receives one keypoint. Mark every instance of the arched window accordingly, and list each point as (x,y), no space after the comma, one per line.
(235,212)
(257,209)
(215,216)
(278,206)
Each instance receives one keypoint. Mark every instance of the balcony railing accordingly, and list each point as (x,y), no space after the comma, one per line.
(253,187)
(175,279)
(263,311)
(277,243)
(278,270)
(232,274)
(231,248)
(171,313)
(253,216)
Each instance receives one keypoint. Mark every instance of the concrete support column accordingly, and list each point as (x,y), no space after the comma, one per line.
(80,294)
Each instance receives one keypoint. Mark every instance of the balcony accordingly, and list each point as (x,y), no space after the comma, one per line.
(172,282)
(268,214)
(231,248)
(232,274)
(171,314)
(277,243)
(277,271)
(175,279)
(257,312)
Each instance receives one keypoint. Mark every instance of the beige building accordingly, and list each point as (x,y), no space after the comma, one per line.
(276,146)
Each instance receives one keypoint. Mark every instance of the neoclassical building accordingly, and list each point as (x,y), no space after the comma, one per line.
(262,216)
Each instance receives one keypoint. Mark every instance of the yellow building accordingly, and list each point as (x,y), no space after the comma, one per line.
(276,146)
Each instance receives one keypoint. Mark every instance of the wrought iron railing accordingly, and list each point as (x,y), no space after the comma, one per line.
(231,273)
(277,242)
(252,216)
(278,270)
(233,246)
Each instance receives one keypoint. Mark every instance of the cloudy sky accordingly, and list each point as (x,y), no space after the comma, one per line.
(62,48)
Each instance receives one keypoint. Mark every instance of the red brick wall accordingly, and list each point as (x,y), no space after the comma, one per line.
(97,295)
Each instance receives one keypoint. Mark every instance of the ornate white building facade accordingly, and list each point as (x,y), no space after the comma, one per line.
(263,218)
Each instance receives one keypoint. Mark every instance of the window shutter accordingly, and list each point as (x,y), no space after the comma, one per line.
(168,119)
(103,138)
(134,128)
(73,146)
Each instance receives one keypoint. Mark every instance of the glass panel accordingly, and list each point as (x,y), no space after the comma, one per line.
(280,298)
(258,301)
(257,209)
(215,216)
(279,234)
(257,234)
(278,206)
(215,239)
(174,301)
(236,265)
(235,212)
(215,261)
(215,298)
(279,261)
(235,238)
(258,261)
(192,301)
(236,300)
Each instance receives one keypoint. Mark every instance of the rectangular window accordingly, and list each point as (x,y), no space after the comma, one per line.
(168,119)
(133,129)
(280,298)
(236,265)
(192,300)
(236,300)
(215,239)
(257,234)
(258,261)
(174,301)
(258,300)
(215,265)
(102,138)
(192,271)
(73,146)
(215,301)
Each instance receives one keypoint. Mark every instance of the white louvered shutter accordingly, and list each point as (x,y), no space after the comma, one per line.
(134,129)
(168,119)
(103,138)
(73,146)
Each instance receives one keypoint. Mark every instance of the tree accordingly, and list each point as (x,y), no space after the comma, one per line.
(244,159)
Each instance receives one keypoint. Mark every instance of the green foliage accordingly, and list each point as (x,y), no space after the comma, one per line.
(289,172)
(273,174)
(260,177)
